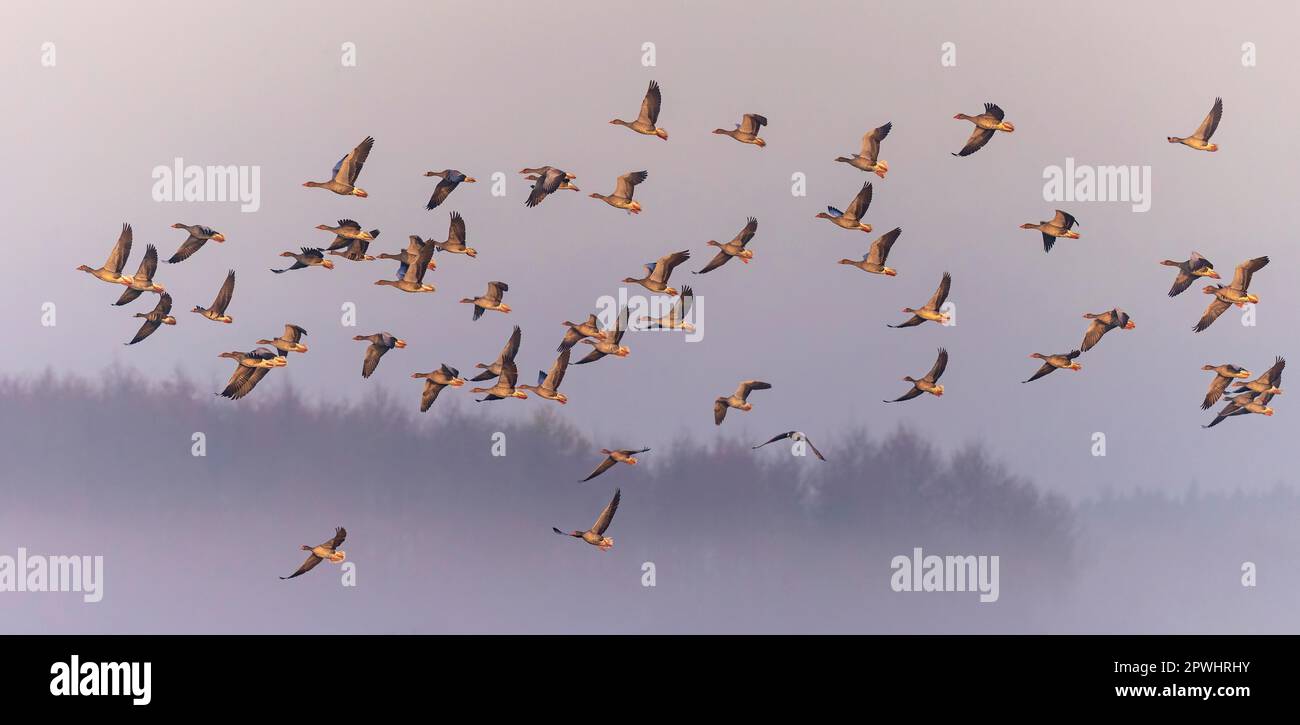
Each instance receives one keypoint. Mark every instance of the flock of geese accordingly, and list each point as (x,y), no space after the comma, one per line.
(351,242)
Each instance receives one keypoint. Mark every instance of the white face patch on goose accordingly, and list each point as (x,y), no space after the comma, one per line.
(178,182)
(1081,182)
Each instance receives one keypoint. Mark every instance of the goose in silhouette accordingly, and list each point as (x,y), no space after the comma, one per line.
(658,272)
(851,218)
(868,159)
(747,130)
(1188,271)
(610,344)
(548,181)
(548,383)
(596,534)
(737,400)
(1102,323)
(1266,383)
(455,238)
(413,279)
(626,455)
(346,171)
(143,280)
(796,436)
(649,116)
(623,190)
(932,311)
(1223,375)
(1201,139)
(451,178)
(929,383)
(735,248)
(1234,293)
(435,381)
(198,236)
(874,260)
(675,319)
(289,342)
(380,343)
(507,356)
(217,312)
(578,331)
(1058,226)
(111,272)
(328,550)
(155,318)
(1052,363)
(986,124)
(491,300)
(310,257)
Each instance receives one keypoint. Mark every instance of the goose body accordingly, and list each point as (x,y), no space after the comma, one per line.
(456,238)
(290,341)
(609,343)
(491,300)
(658,272)
(435,381)
(310,257)
(649,116)
(548,181)
(217,312)
(738,400)
(734,248)
(868,159)
(1200,140)
(874,260)
(198,236)
(1223,376)
(986,124)
(451,178)
(1102,323)
(747,130)
(623,190)
(580,330)
(851,217)
(1189,271)
(1058,226)
(380,344)
(1052,363)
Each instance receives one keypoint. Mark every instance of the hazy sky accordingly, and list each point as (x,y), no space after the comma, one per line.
(493,87)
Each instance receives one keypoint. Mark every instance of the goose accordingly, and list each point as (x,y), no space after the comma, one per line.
(1059,226)
(796,436)
(252,367)
(259,357)
(985,125)
(868,159)
(874,260)
(596,534)
(932,310)
(548,181)
(413,279)
(623,190)
(610,343)
(1102,323)
(328,550)
(435,381)
(456,238)
(380,343)
(737,399)
(566,184)
(1223,375)
(676,317)
(1242,405)
(346,231)
(548,383)
(1266,383)
(504,387)
(625,455)
(929,383)
(1055,362)
(657,272)
(1188,271)
(404,258)
(155,318)
(735,248)
(851,218)
(198,236)
(217,313)
(143,280)
(310,257)
(111,272)
(346,171)
(649,116)
(507,356)
(747,130)
(491,300)
(289,342)
(1201,139)
(1232,294)
(355,250)
(451,178)
(578,331)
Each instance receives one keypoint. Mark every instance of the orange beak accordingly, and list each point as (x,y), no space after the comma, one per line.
(399,343)
(1130,325)
(218,237)
(327,264)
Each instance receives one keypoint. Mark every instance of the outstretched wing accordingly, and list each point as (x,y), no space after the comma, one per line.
(775,438)
(752,122)
(224,294)
(121,250)
(749,386)
(627,183)
(940,364)
(664,267)
(1215,392)
(650,104)
(1245,271)
(1043,370)
(879,250)
(941,294)
(1216,308)
(978,138)
(871,142)
(718,260)
(606,516)
(1211,122)
(349,167)
(860,203)
(605,465)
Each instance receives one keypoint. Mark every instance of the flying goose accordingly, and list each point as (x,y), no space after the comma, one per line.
(649,116)
(451,178)
(252,367)
(1052,363)
(868,159)
(346,172)
(289,342)
(626,455)
(794,435)
(1102,323)
(1188,271)
(676,317)
(747,130)
(610,343)
(933,309)
(217,313)
(548,383)
(1223,375)
(158,316)
(346,231)
(737,399)
(1232,294)
(404,257)
(505,386)
(985,125)
(851,218)
(622,196)
(259,357)
(578,331)
(549,180)
(198,236)
(874,260)
(1266,383)
(413,279)
(1243,404)
(327,550)
(435,381)
(1201,139)
(1060,225)
(380,343)
(491,300)
(143,280)
(929,383)
(455,238)
(111,272)
(657,272)
(310,257)
(735,248)
(507,356)
(596,534)
(355,249)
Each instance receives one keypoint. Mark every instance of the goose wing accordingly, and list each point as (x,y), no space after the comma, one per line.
(373,352)
(191,245)
(663,268)
(751,123)
(859,205)
(421,264)
(495,290)
(246,382)
(1181,282)
(776,438)
(978,138)
(606,516)
(456,230)
(871,142)
(512,346)
(748,386)
(224,294)
(1211,122)
(312,561)
(349,167)
(940,364)
(1217,386)
(718,260)
(148,265)
(1273,376)
(1064,220)
(1242,275)
(746,233)
(915,391)
(336,541)
(605,465)
(1044,369)
(1216,308)
(155,318)
(121,250)
(1099,327)
(293,333)
(627,183)
(441,191)
(650,105)
(558,368)
(879,250)
(941,294)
